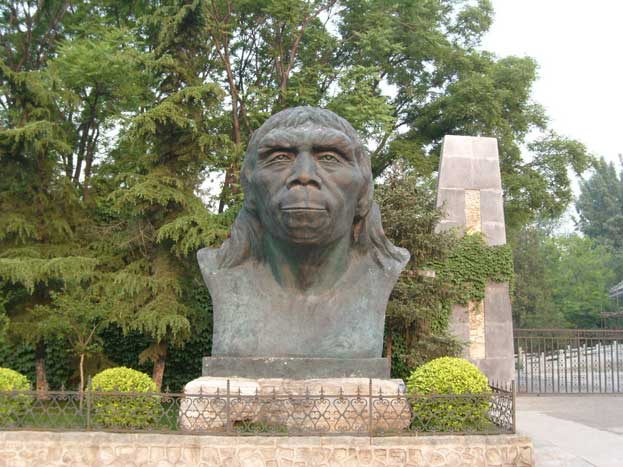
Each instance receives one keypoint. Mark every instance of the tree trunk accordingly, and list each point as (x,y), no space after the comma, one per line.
(158,373)
(90,155)
(81,393)
(228,189)
(42,384)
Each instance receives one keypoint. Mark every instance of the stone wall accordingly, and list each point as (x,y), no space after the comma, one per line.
(27,448)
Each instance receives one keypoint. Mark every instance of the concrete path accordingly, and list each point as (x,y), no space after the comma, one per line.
(573,431)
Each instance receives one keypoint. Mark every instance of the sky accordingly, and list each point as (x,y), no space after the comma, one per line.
(579,48)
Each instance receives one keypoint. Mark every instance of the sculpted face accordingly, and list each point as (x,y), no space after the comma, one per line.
(306,183)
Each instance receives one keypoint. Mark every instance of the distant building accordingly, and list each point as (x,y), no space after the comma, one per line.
(613,319)
(616,292)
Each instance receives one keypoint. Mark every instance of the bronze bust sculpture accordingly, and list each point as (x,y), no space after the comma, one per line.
(307,271)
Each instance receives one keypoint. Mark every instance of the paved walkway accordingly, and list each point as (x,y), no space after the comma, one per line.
(573,431)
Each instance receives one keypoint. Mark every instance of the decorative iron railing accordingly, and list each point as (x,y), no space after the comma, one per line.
(233,413)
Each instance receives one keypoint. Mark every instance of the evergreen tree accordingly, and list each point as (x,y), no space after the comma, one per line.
(40,212)
(600,205)
(417,313)
(153,212)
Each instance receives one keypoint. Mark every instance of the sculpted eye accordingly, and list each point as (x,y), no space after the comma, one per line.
(328,157)
(279,157)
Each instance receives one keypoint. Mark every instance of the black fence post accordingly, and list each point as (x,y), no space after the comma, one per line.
(514,408)
(227,415)
(370,406)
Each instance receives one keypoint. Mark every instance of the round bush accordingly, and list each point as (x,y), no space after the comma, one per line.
(120,410)
(13,406)
(430,386)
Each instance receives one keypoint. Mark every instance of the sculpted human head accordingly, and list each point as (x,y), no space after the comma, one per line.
(306,177)
(307,180)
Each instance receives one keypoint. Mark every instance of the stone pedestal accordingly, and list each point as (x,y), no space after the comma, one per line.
(295,367)
(345,405)
(470,190)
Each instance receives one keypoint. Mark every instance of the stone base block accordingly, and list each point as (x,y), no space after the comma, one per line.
(295,367)
(344,405)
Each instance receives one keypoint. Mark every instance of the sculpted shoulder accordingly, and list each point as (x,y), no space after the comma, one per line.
(208,259)
(397,263)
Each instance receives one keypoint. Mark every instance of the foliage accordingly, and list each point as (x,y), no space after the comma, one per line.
(449,376)
(583,276)
(420,305)
(417,313)
(78,316)
(12,406)
(121,411)
(561,281)
(20,356)
(424,349)
(534,259)
(183,363)
(472,263)
(600,209)
(12,380)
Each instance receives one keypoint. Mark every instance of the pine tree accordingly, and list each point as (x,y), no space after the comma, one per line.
(153,212)
(40,212)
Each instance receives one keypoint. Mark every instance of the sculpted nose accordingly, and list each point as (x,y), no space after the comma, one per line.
(304,171)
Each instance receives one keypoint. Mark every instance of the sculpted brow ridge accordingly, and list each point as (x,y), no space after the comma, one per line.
(328,139)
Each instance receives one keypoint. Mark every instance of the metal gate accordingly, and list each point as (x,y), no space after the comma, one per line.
(569,361)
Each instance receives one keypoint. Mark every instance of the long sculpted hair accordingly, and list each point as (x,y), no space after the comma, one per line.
(245,241)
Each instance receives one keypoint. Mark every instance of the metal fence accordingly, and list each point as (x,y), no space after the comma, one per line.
(569,361)
(233,413)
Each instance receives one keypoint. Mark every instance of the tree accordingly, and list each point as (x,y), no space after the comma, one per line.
(560,281)
(582,278)
(600,211)
(77,314)
(343,55)
(100,79)
(151,209)
(535,260)
(39,249)
(418,310)
(429,52)
(600,205)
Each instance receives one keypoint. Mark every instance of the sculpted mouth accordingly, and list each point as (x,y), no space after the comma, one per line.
(305,209)
(302,208)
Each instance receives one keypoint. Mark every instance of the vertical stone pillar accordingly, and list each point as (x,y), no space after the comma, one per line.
(470,189)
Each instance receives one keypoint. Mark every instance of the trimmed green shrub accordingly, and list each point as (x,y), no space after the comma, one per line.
(124,411)
(12,407)
(446,376)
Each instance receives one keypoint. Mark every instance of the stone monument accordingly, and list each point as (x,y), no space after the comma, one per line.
(300,288)
(470,189)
